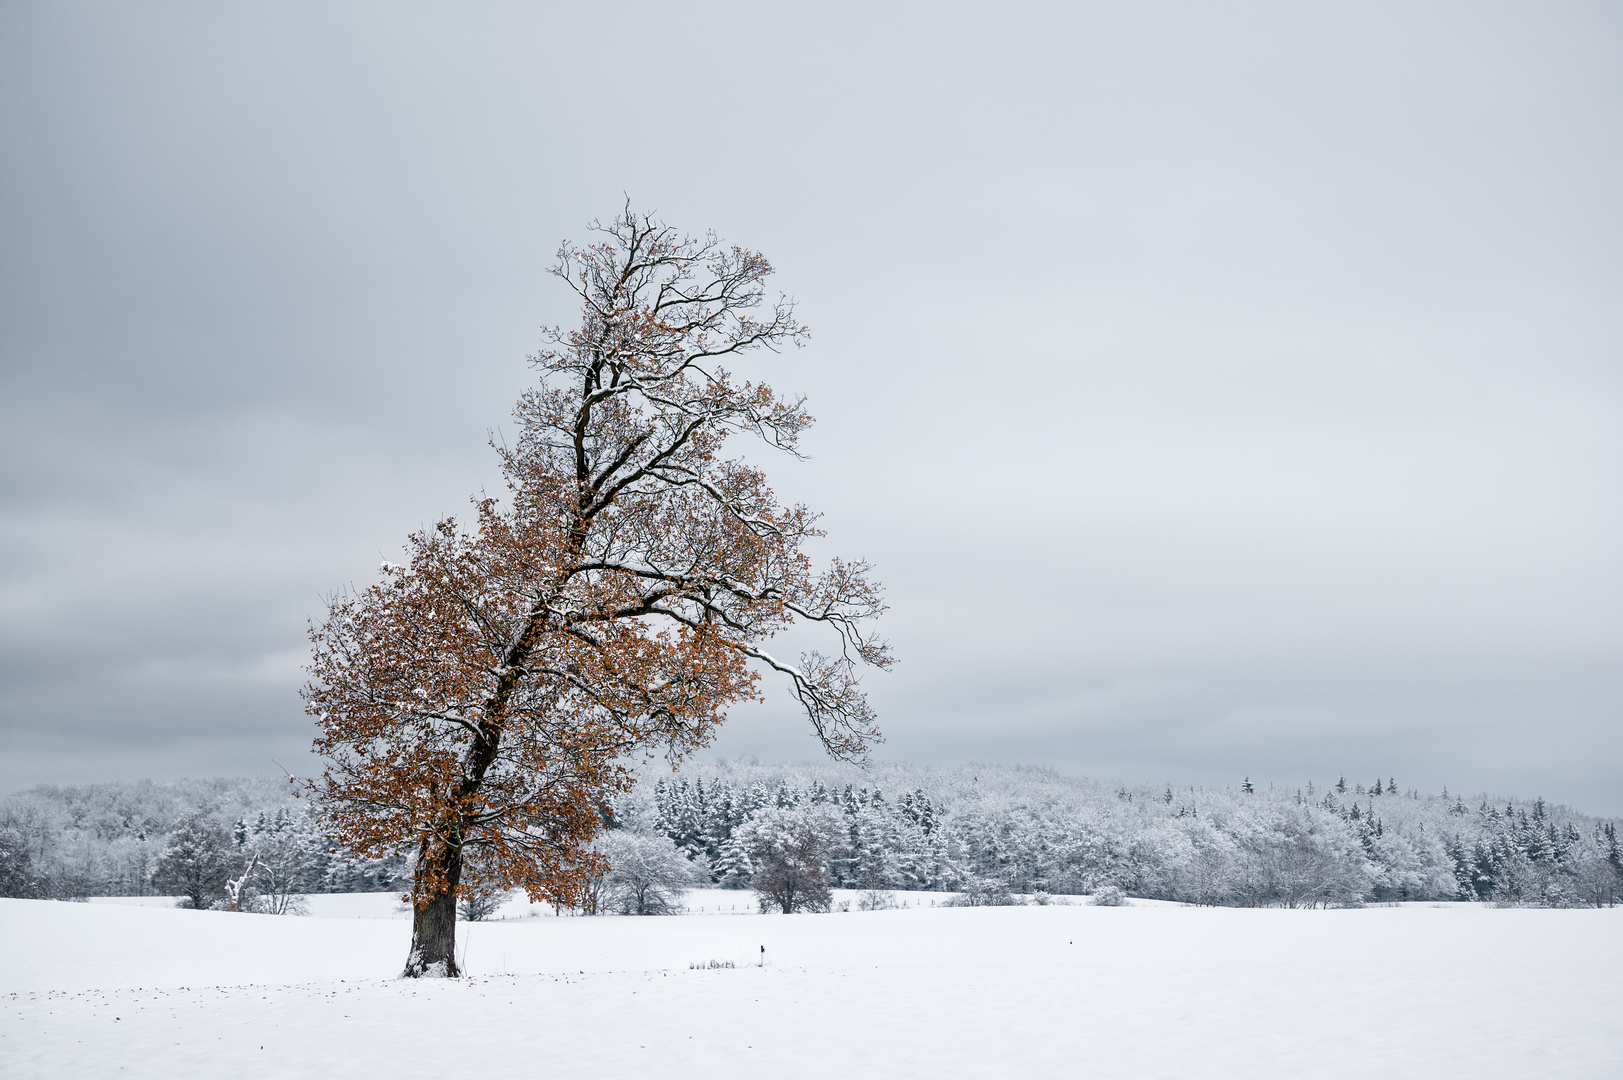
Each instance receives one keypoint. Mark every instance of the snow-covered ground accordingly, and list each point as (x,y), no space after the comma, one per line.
(132,989)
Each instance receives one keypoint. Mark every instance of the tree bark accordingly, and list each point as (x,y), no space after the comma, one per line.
(433,926)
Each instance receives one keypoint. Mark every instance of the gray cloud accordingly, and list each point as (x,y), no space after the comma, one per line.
(1220,392)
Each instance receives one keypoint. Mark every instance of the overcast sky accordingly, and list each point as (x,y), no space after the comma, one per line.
(1222,390)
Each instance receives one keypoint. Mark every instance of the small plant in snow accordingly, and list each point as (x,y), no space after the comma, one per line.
(876,900)
(983,892)
(1109,896)
(480,905)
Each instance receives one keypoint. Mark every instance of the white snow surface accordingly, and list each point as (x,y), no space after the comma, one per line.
(128,988)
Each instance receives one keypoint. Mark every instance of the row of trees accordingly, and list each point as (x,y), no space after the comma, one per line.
(871,842)
(783,853)
(104,839)
(1523,855)
(185,838)
(25,875)
(792,833)
(267,866)
(1033,831)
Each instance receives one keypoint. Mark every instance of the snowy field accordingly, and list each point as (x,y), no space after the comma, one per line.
(129,988)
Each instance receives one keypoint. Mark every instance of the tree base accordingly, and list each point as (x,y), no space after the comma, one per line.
(433,940)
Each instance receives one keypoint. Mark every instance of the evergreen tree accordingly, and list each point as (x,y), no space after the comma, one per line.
(732,868)
(197,861)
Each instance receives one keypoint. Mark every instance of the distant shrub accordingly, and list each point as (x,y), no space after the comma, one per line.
(479,906)
(983,892)
(648,875)
(1109,896)
(876,900)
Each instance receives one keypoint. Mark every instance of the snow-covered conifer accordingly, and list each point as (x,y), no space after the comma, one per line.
(197,862)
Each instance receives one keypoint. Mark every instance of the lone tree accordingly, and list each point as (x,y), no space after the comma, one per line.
(648,875)
(790,849)
(480,701)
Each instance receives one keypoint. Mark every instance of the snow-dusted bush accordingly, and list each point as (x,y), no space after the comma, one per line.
(789,848)
(1109,896)
(1597,878)
(476,907)
(283,857)
(876,900)
(648,875)
(981,892)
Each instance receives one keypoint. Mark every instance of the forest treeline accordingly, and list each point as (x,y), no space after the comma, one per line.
(72,841)
(1031,830)
(974,829)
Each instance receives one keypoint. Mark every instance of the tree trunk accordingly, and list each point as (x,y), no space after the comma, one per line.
(433,926)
